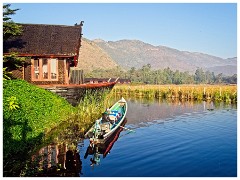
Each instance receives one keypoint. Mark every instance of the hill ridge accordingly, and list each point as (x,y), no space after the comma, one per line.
(135,53)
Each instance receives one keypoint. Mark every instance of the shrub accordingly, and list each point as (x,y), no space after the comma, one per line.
(29,112)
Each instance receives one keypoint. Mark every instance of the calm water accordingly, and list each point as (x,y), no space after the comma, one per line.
(171,139)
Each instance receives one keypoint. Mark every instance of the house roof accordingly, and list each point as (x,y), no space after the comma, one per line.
(42,39)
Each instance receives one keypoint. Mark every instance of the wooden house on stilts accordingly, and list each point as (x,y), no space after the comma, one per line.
(51,50)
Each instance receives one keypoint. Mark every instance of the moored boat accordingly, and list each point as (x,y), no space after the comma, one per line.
(96,151)
(111,120)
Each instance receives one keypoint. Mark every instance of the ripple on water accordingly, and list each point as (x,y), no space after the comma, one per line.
(199,144)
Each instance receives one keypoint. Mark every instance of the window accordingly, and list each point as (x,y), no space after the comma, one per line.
(53,69)
(44,69)
(36,68)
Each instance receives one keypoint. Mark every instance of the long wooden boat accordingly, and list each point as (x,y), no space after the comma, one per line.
(96,151)
(102,130)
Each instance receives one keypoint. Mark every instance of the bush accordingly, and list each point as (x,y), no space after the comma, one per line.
(29,112)
(41,109)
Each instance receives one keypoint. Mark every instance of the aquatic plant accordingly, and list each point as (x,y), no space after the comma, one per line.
(32,116)
(226,93)
(90,108)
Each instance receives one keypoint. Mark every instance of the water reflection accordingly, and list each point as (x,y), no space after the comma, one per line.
(142,111)
(62,158)
(72,156)
(96,151)
(58,160)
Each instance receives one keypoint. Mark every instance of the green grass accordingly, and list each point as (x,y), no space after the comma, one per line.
(32,117)
(38,109)
(29,113)
(90,108)
(225,93)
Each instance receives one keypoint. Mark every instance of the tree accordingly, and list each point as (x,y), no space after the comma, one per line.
(219,78)
(233,79)
(199,76)
(168,75)
(209,77)
(177,77)
(10,62)
(10,28)
(187,78)
(146,73)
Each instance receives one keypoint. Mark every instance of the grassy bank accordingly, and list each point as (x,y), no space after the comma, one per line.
(68,133)
(31,115)
(226,93)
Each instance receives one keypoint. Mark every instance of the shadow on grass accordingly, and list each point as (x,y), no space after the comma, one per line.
(16,152)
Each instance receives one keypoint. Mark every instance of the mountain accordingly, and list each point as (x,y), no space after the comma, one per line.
(100,54)
(135,53)
(92,57)
(227,70)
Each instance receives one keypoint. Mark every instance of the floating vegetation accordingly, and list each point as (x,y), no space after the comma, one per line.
(225,93)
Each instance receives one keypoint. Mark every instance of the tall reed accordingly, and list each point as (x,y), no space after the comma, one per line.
(90,108)
(226,93)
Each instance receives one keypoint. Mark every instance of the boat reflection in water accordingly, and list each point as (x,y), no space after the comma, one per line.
(63,159)
(96,150)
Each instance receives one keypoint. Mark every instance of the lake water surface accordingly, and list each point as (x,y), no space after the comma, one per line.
(171,139)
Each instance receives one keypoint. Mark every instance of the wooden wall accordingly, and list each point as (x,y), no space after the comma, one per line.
(25,73)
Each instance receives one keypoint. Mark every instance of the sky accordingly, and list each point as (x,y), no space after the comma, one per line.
(209,28)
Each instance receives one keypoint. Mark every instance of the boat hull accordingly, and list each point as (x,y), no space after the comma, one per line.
(104,148)
(100,132)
